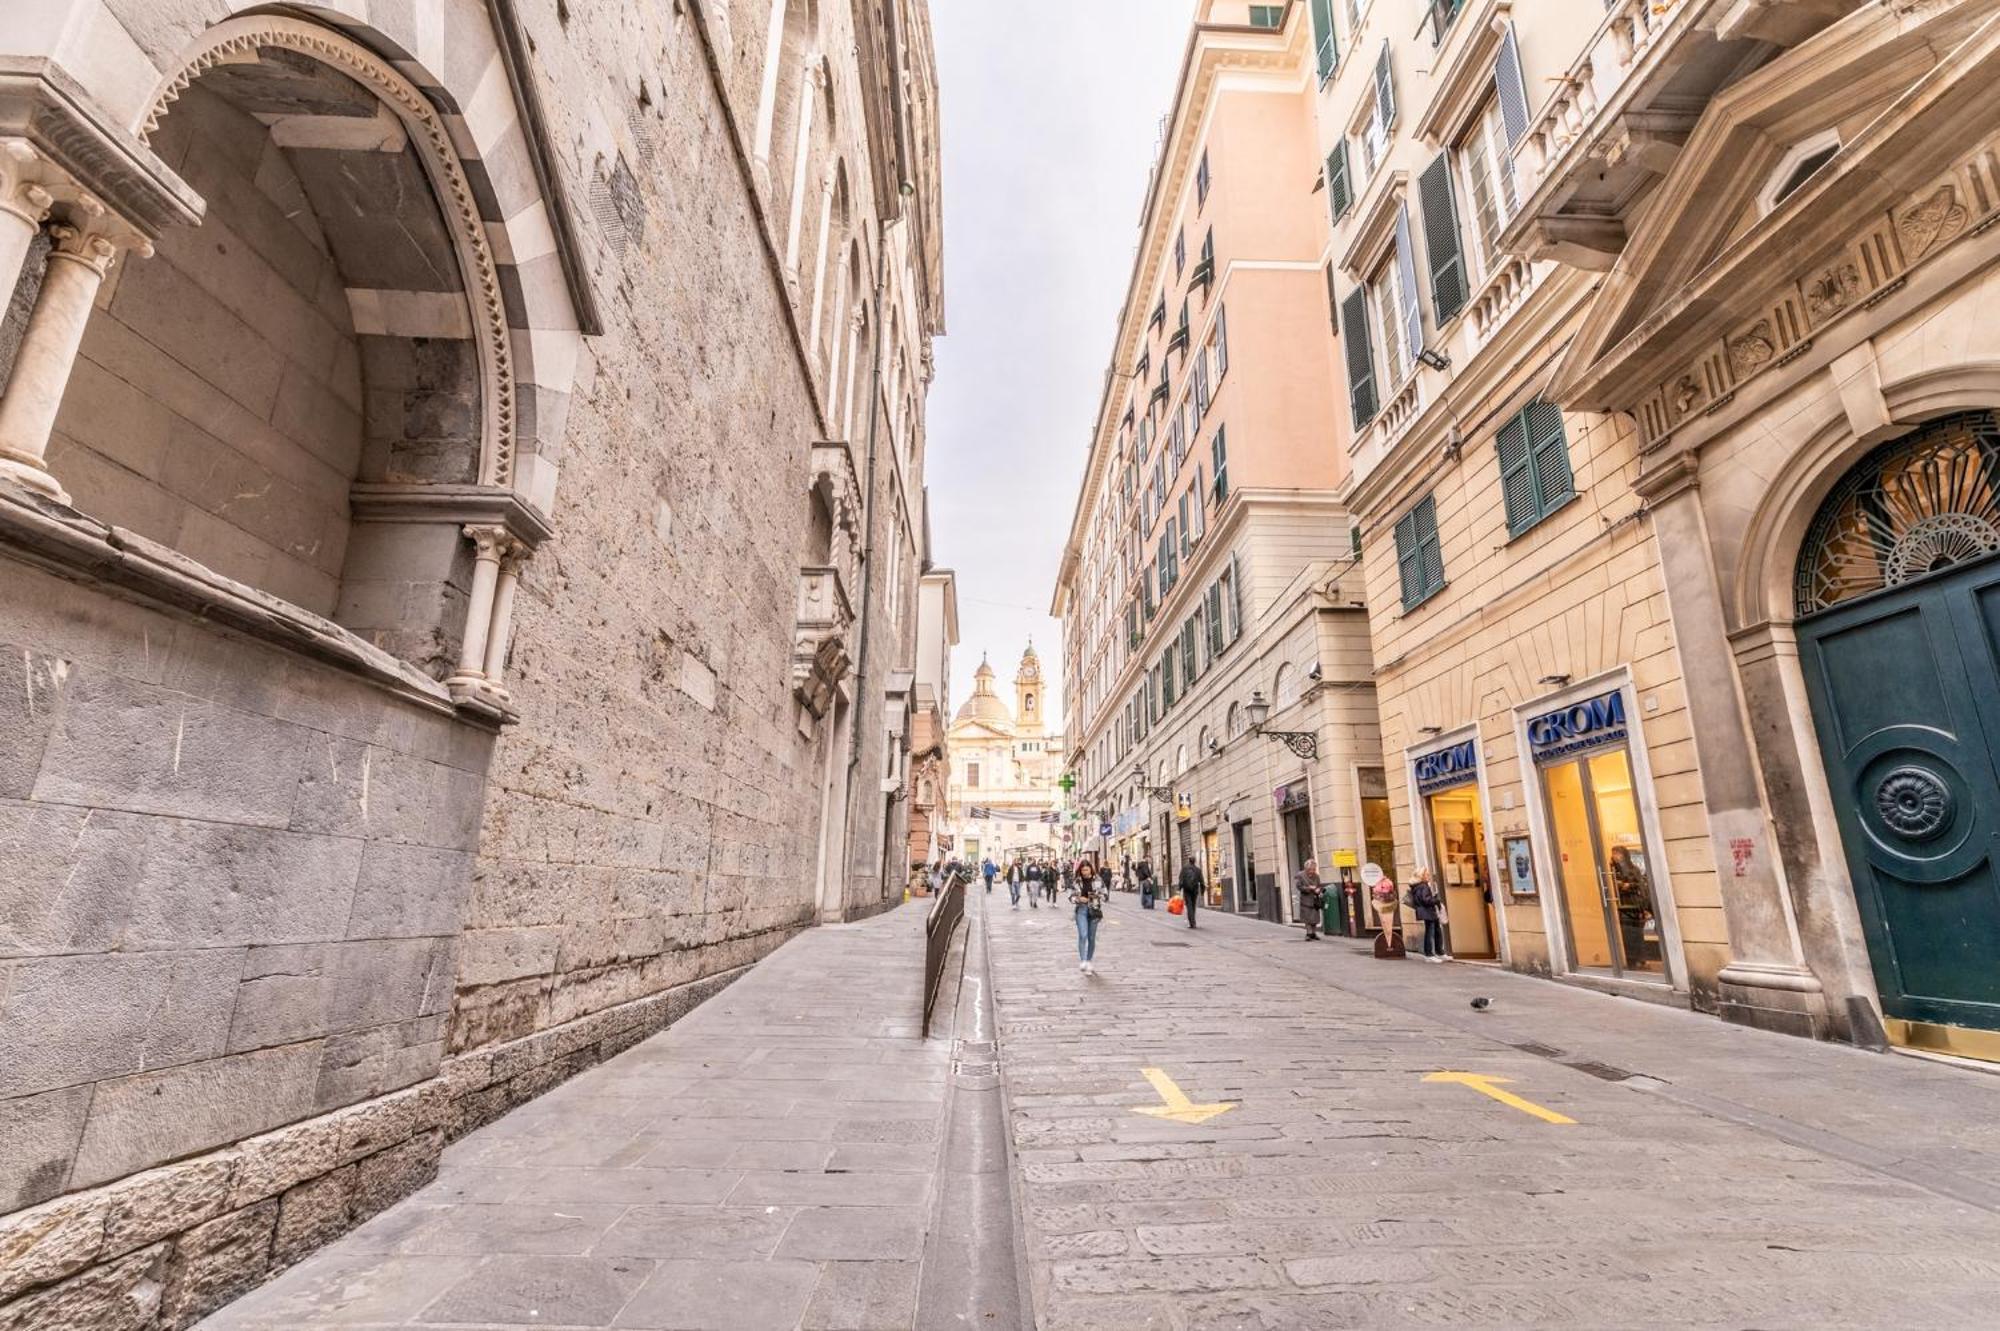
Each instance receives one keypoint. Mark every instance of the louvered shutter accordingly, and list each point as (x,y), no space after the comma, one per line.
(1431,553)
(1385,89)
(1323,38)
(1409,559)
(1510,89)
(1339,184)
(1449,289)
(1215,625)
(1221,342)
(1548,449)
(1517,475)
(1360,356)
(1235,600)
(1406,269)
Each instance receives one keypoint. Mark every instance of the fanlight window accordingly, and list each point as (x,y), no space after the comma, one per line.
(1920,505)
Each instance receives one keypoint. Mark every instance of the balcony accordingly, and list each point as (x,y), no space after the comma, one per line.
(1499,296)
(820,658)
(1621,114)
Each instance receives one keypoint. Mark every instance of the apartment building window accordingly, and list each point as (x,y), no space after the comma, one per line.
(1535,473)
(1419,558)
(1204,268)
(1378,113)
(1200,394)
(1339,183)
(1218,457)
(1190,670)
(1267,16)
(1221,339)
(972,774)
(1201,181)
(1187,527)
(1180,252)
(1324,41)
(1217,643)
(1358,345)
(1442,13)
(1450,287)
(1158,318)
(1169,676)
(1176,446)
(1488,163)
(1386,295)
(1200,503)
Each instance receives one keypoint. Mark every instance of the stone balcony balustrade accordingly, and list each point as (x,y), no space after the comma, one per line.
(1621,113)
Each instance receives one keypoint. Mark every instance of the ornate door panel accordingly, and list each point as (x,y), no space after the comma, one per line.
(1905,689)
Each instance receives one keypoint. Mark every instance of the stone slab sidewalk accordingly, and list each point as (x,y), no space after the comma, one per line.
(1735,1180)
(769,1163)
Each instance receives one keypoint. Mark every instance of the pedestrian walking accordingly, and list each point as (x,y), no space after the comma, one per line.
(1014,883)
(1191,886)
(1034,887)
(989,870)
(1053,877)
(1144,872)
(1312,897)
(1087,896)
(1427,903)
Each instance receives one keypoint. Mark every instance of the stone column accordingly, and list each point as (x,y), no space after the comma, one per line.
(82,255)
(502,632)
(489,544)
(24,204)
(1766,983)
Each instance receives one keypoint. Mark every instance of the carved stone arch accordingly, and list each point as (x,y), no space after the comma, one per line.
(242,37)
(1762,588)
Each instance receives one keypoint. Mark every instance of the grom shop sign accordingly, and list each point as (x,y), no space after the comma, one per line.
(1441,769)
(1594,723)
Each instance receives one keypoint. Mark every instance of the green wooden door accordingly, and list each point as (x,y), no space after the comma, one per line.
(1905,689)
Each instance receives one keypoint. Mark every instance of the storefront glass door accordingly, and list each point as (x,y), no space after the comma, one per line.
(1246,870)
(1211,856)
(1459,848)
(1607,895)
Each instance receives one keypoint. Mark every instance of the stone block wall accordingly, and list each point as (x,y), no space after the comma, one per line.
(233,886)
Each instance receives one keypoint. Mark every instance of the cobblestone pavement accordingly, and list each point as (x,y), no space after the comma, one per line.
(1739,1180)
(767,1163)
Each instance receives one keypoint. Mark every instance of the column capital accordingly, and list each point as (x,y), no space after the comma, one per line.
(23,191)
(1669,478)
(489,542)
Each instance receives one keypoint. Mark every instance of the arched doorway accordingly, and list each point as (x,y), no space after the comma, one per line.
(1897,591)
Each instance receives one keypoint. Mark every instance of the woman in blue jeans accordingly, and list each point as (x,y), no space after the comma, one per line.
(1088,898)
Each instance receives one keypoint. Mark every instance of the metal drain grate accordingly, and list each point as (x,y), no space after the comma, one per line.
(1539,1050)
(1602,1071)
(968,1068)
(1160,944)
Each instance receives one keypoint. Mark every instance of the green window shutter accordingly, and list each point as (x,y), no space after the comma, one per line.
(1407,559)
(1188,671)
(1430,555)
(1385,87)
(1549,447)
(1449,289)
(1517,476)
(1339,182)
(1235,600)
(1360,356)
(1511,89)
(1215,640)
(1169,692)
(1323,38)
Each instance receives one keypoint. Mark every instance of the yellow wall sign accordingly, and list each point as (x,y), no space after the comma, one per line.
(1346,859)
(1184,806)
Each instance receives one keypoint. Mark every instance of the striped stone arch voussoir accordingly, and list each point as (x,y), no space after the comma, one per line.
(469,134)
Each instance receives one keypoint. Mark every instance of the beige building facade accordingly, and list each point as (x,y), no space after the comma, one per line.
(929,784)
(1209,570)
(461,525)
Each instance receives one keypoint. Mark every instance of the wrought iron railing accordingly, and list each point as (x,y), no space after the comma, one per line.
(947,910)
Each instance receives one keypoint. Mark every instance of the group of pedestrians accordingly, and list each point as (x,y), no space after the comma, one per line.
(1041,882)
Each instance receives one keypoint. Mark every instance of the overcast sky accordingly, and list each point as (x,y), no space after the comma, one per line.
(1051,116)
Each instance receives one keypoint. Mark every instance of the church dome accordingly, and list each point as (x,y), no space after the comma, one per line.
(984,705)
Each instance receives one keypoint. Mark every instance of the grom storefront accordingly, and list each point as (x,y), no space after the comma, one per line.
(1453,840)
(1609,913)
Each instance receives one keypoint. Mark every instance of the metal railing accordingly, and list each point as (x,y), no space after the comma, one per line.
(947,910)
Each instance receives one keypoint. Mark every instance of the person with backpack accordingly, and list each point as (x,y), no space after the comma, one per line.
(1144,873)
(1191,885)
(1034,887)
(989,870)
(1014,883)
(1428,905)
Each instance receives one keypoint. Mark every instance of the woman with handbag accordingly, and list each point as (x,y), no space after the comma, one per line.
(1088,898)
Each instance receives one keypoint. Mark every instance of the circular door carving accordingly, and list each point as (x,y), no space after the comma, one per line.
(1914,802)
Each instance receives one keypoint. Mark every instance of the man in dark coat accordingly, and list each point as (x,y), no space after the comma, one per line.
(1191,885)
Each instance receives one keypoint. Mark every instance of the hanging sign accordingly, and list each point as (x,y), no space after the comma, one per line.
(1184,805)
(1441,769)
(1595,723)
(1293,796)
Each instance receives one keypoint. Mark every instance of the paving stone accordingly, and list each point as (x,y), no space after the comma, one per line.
(540,1290)
(735,1232)
(852,1233)
(482,1229)
(863,1296)
(774,1189)
(722,1296)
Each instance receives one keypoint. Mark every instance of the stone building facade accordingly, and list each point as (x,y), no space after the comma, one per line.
(930,753)
(461,503)
(1210,568)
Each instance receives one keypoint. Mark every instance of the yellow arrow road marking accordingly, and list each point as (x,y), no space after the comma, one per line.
(1177,1107)
(1490,1086)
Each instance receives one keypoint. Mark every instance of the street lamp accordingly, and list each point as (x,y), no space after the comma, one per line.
(1164,794)
(1303,743)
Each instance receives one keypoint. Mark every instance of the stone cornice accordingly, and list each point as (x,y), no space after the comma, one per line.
(51,111)
(457,505)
